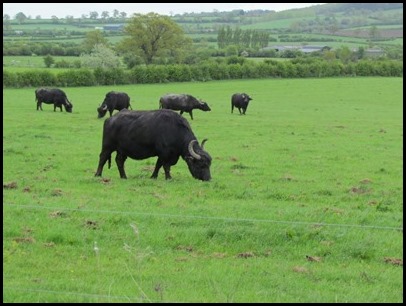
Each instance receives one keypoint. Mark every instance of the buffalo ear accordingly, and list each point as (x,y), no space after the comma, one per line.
(243,96)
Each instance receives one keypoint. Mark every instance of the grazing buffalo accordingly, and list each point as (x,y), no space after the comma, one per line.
(114,100)
(240,101)
(183,103)
(54,96)
(143,134)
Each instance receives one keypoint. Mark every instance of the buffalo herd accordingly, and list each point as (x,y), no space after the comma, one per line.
(141,134)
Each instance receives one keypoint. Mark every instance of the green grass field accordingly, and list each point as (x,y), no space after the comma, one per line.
(15,63)
(305,202)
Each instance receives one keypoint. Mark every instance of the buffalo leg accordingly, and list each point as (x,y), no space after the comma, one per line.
(191,115)
(120,159)
(104,156)
(55,106)
(158,166)
(167,169)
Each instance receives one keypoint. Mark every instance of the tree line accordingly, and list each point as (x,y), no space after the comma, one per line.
(227,36)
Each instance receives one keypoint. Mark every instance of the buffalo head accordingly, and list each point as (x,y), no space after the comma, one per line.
(198,161)
(68,107)
(204,106)
(102,110)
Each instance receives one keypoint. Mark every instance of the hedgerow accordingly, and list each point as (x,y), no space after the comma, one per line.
(209,70)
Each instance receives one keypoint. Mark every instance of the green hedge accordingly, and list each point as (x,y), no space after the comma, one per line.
(210,70)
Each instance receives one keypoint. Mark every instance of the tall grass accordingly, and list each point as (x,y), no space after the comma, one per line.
(305,202)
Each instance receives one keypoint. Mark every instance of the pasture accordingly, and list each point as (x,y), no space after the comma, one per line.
(305,202)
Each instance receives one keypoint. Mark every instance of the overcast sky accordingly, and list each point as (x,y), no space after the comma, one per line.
(61,10)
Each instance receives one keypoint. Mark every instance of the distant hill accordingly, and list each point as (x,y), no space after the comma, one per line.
(325,18)
(351,7)
(377,21)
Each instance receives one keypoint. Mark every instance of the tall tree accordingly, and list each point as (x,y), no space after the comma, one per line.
(93,15)
(374,32)
(94,38)
(221,37)
(105,15)
(153,35)
(6,22)
(20,17)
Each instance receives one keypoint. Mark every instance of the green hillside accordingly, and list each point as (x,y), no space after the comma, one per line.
(371,25)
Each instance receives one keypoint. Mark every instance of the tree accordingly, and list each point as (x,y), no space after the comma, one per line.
(48,60)
(344,54)
(93,15)
(93,38)
(69,19)
(153,35)
(360,52)
(105,15)
(54,19)
(6,22)
(116,13)
(374,33)
(100,57)
(20,17)
(221,37)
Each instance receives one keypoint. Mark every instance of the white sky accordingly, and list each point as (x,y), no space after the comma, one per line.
(61,10)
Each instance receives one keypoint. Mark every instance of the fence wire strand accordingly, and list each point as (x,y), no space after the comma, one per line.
(209,218)
(141,299)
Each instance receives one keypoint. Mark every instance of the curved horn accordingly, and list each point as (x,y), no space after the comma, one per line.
(202,145)
(191,151)
(104,107)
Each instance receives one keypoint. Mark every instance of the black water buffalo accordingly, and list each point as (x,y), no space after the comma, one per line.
(240,101)
(144,134)
(113,100)
(183,103)
(54,96)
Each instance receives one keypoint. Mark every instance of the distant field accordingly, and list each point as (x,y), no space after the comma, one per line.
(50,26)
(274,24)
(32,61)
(14,63)
(305,204)
(23,63)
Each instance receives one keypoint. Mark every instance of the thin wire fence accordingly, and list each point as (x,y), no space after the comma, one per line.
(208,217)
(102,297)
(143,299)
